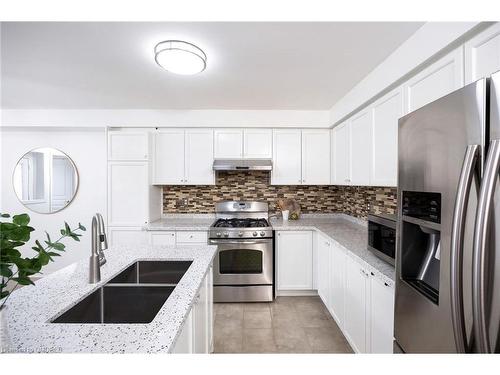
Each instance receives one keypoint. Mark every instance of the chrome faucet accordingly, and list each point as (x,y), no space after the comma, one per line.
(99,243)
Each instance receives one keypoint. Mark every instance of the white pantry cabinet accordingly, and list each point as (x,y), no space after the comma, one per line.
(323,254)
(294,260)
(360,148)
(258,143)
(337,278)
(287,165)
(384,159)
(482,54)
(126,145)
(316,157)
(128,236)
(435,81)
(183,157)
(381,315)
(340,155)
(228,143)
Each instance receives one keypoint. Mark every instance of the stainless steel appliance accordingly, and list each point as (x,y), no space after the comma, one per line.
(382,236)
(448,257)
(243,165)
(244,264)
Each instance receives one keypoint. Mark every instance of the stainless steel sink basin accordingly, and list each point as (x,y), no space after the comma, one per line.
(152,272)
(135,295)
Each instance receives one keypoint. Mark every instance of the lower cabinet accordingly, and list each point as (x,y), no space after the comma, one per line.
(197,332)
(337,279)
(162,238)
(381,315)
(294,260)
(182,238)
(127,236)
(323,253)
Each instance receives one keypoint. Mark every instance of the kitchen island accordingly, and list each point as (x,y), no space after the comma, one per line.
(26,319)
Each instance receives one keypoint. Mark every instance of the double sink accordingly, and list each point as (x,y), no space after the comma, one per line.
(135,295)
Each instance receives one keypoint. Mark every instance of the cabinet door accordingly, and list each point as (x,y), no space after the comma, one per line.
(340,154)
(124,145)
(323,269)
(295,260)
(360,148)
(210,301)
(316,157)
(258,143)
(127,193)
(162,238)
(126,236)
(287,165)
(168,159)
(355,305)
(381,315)
(228,143)
(184,343)
(199,157)
(384,166)
(200,321)
(338,264)
(435,81)
(482,54)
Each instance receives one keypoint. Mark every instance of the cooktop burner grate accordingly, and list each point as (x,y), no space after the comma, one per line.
(241,223)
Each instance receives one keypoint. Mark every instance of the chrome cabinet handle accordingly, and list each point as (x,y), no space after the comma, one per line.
(469,167)
(483,221)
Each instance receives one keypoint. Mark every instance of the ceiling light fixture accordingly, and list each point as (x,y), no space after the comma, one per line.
(180,57)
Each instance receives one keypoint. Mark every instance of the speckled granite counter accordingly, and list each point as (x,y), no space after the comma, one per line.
(188,222)
(348,232)
(25,320)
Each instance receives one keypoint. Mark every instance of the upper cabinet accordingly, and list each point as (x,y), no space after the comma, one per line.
(360,148)
(340,155)
(228,143)
(315,157)
(482,54)
(183,157)
(287,168)
(258,143)
(384,159)
(128,145)
(435,81)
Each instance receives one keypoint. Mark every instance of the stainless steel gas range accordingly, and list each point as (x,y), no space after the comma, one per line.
(244,264)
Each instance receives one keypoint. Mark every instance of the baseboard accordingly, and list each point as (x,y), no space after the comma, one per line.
(296,293)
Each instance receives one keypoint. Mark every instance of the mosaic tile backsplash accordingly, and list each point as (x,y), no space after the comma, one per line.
(352,200)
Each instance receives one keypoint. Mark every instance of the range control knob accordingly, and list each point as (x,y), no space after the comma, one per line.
(240,234)
(254,234)
(262,234)
(226,234)
(219,234)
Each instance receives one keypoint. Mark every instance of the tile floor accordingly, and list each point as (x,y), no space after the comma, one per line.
(287,325)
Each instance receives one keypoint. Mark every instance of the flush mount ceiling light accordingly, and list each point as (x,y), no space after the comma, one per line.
(180,57)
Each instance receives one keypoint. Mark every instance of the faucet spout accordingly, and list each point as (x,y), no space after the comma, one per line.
(103,240)
(94,262)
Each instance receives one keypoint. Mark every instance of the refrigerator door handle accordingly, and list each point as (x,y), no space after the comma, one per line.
(469,168)
(483,221)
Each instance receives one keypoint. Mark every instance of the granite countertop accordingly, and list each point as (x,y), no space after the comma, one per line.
(26,317)
(188,222)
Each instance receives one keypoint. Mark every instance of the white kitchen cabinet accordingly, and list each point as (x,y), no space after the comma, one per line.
(384,158)
(482,54)
(183,157)
(340,155)
(128,193)
(324,247)
(199,157)
(337,279)
(184,343)
(360,148)
(210,299)
(127,236)
(258,143)
(192,237)
(287,158)
(381,315)
(127,145)
(294,260)
(316,157)
(356,291)
(435,81)
(200,320)
(161,238)
(168,157)
(228,143)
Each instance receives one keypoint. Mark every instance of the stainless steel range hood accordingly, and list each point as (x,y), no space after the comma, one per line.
(243,164)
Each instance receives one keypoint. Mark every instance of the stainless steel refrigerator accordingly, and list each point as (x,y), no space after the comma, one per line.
(448,254)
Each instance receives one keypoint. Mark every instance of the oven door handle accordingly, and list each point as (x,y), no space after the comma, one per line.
(243,242)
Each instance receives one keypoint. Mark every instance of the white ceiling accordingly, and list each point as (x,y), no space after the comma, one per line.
(294,66)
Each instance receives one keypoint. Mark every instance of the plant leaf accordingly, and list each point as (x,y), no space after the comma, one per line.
(66,226)
(59,246)
(81,227)
(4,215)
(22,219)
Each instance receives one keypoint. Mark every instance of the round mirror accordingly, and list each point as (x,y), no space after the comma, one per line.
(45,180)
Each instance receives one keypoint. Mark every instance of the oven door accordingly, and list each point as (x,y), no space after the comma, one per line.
(243,262)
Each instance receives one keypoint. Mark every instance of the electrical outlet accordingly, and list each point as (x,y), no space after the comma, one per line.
(184,201)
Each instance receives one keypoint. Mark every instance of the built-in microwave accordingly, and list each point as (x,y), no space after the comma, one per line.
(382,236)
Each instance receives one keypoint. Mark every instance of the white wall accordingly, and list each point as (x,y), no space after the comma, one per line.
(87,148)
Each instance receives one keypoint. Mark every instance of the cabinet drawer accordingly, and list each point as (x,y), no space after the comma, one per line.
(162,238)
(192,237)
